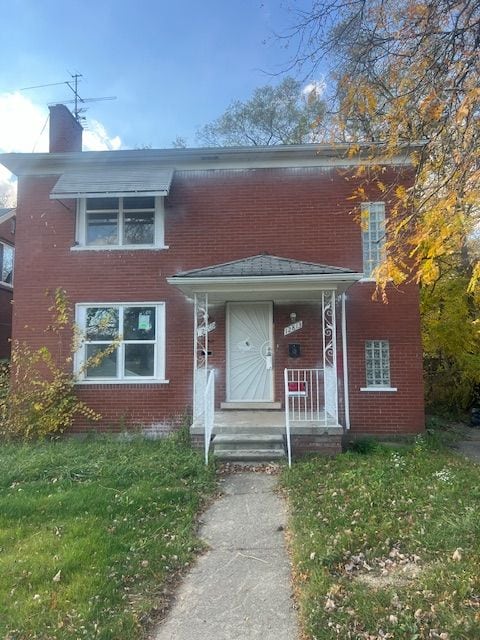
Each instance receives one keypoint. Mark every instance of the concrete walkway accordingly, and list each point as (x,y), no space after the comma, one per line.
(239,589)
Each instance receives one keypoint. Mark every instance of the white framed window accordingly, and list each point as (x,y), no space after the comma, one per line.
(132,337)
(134,222)
(373,236)
(7,254)
(377,363)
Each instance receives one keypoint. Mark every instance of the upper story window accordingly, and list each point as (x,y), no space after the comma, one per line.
(7,253)
(133,222)
(373,236)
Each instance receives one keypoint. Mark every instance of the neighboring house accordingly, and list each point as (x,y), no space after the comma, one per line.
(236,270)
(7,254)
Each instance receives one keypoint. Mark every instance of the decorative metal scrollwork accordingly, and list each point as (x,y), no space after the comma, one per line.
(330,353)
(201,330)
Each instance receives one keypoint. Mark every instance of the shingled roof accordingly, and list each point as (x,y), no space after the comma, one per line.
(263,265)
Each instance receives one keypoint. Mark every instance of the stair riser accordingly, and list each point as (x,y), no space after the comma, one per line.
(253,430)
(250,446)
(249,455)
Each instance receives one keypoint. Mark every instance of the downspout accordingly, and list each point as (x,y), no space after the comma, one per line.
(195,355)
(345,364)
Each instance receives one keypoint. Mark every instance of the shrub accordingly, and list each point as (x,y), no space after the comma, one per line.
(365,445)
(37,390)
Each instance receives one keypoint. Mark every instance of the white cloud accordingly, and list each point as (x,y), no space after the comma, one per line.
(21,124)
(96,138)
(24,129)
(315,89)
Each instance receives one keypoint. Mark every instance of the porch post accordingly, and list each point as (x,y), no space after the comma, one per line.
(200,351)
(329,333)
(345,364)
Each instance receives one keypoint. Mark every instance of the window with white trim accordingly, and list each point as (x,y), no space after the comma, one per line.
(377,363)
(7,253)
(135,222)
(373,236)
(121,342)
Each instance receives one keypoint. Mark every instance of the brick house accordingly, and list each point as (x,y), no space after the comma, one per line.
(7,254)
(238,280)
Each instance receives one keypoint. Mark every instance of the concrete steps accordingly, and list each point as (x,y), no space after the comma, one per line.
(258,436)
(248,447)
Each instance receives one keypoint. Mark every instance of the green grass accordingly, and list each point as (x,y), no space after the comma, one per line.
(415,510)
(93,533)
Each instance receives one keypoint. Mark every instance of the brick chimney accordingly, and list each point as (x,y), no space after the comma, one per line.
(65,131)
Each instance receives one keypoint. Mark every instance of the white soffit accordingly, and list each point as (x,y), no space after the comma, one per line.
(113,182)
(276,288)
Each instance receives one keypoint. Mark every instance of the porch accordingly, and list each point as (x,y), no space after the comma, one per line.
(265,356)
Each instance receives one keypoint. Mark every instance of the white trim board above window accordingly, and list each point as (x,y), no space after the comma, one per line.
(373,236)
(132,337)
(134,222)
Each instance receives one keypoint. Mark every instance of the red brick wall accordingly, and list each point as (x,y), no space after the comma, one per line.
(6,295)
(399,323)
(211,217)
(5,321)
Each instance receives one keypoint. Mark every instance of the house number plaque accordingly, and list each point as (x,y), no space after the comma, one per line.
(293,327)
(210,327)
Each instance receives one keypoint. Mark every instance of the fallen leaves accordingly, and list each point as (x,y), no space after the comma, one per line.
(397,567)
(457,555)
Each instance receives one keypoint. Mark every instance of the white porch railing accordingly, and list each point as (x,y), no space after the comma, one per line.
(209,411)
(310,397)
(287,418)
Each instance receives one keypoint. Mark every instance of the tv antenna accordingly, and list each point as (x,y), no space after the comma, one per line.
(77,100)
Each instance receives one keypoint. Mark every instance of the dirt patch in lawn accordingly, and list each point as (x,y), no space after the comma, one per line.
(394,570)
(397,577)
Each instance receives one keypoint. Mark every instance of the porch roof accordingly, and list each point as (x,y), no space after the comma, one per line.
(264,277)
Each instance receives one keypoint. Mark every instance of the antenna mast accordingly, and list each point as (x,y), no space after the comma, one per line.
(73,86)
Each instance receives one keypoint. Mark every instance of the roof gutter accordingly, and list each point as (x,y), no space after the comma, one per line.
(308,154)
(259,280)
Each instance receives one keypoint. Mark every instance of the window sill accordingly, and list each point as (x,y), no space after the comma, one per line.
(6,286)
(109,381)
(125,247)
(388,389)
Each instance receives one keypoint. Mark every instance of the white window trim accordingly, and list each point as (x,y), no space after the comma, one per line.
(389,389)
(81,231)
(368,276)
(125,247)
(160,342)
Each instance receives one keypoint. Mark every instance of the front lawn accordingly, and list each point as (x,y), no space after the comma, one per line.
(93,533)
(387,545)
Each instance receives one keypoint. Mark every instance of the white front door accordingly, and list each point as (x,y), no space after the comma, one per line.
(249,352)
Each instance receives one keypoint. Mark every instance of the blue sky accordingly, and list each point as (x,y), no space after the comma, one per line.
(173,66)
